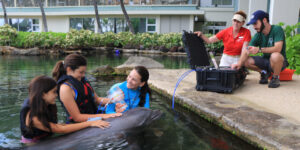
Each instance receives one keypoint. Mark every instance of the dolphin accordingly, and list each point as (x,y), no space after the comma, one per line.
(130,120)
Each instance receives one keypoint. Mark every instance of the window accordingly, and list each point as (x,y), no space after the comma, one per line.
(52,3)
(151,25)
(99,2)
(214,27)
(25,24)
(108,24)
(1,21)
(35,25)
(217,3)
(28,3)
(82,23)
(139,24)
(120,25)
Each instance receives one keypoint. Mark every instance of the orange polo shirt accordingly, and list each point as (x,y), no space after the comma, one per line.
(233,46)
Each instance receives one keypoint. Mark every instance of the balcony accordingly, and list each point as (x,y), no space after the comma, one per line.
(64,3)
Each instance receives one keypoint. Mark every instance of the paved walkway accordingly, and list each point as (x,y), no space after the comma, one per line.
(256,113)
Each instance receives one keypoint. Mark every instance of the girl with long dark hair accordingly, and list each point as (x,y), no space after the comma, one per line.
(38,116)
(135,91)
(75,92)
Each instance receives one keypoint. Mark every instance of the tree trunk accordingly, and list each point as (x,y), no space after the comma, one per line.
(43,16)
(97,17)
(126,17)
(4,12)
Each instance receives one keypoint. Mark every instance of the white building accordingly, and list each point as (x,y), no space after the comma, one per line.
(161,16)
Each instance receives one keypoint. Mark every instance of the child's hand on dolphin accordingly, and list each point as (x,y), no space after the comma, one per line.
(105,116)
(100,124)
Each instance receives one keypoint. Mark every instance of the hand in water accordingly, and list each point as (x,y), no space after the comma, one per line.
(100,124)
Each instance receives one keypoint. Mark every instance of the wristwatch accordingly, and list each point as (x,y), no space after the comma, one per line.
(259,50)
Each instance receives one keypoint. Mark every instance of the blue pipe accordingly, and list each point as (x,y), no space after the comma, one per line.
(177,84)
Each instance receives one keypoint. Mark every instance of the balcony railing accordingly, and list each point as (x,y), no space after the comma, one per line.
(59,3)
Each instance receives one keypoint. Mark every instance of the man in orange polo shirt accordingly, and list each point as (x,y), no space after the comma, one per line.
(235,39)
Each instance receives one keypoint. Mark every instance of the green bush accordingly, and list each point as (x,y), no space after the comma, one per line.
(41,40)
(124,39)
(7,35)
(79,39)
(88,39)
(213,46)
(170,39)
(292,46)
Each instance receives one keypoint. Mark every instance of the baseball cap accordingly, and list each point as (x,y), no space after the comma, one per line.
(259,14)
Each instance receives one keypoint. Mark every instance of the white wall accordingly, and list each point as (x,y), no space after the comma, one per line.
(255,5)
(174,24)
(244,6)
(286,11)
(225,15)
(58,23)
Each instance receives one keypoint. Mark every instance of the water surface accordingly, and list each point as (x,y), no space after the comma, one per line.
(177,129)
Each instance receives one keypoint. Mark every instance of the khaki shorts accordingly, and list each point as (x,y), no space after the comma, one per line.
(228,60)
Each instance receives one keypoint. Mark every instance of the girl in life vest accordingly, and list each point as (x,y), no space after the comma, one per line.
(38,116)
(75,92)
(135,92)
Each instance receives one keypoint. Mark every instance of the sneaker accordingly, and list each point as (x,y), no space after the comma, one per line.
(264,78)
(274,83)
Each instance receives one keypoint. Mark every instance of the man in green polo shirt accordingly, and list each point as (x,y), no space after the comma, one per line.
(269,40)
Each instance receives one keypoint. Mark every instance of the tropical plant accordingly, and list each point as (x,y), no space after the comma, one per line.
(79,39)
(125,39)
(170,39)
(7,35)
(292,46)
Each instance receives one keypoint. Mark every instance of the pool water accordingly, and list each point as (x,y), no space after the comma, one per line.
(178,129)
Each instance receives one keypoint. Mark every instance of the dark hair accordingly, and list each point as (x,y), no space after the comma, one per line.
(38,106)
(267,17)
(73,61)
(242,13)
(143,72)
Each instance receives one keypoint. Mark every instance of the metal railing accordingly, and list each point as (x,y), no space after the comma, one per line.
(60,3)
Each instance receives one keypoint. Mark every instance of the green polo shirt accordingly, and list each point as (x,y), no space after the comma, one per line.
(276,34)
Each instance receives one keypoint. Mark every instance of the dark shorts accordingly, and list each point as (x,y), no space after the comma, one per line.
(264,63)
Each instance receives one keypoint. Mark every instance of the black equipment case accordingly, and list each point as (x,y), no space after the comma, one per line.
(223,80)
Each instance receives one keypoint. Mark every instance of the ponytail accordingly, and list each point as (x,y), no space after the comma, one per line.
(58,70)
(144,90)
(143,72)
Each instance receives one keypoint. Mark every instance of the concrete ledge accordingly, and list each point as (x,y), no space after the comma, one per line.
(251,112)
